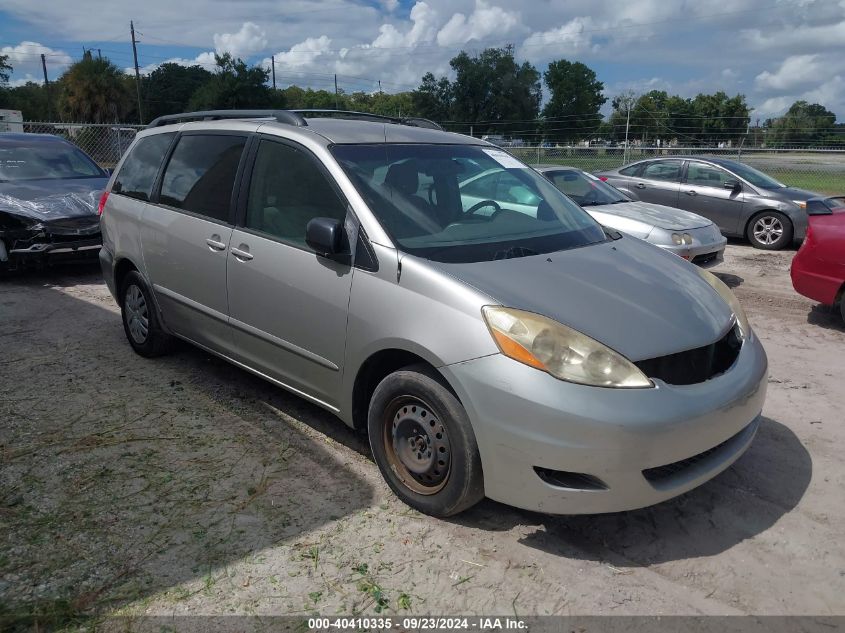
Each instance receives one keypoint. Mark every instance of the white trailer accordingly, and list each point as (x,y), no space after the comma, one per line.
(11,121)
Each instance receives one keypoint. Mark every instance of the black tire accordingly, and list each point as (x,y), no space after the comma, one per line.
(414,405)
(842,307)
(139,315)
(770,231)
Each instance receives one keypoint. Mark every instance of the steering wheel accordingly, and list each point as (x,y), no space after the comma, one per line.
(591,196)
(481,205)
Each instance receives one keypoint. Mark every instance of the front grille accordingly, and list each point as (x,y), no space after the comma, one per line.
(704,258)
(695,365)
(661,474)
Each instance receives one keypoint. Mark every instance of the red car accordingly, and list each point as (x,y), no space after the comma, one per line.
(818,269)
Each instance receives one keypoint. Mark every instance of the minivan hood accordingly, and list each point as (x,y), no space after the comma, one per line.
(628,294)
(657,215)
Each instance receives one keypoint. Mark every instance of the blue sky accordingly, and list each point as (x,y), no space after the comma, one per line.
(773,51)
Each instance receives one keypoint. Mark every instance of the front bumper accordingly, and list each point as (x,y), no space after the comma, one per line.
(707,250)
(525,419)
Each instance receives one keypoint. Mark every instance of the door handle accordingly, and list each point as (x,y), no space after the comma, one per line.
(640,185)
(214,243)
(692,193)
(241,254)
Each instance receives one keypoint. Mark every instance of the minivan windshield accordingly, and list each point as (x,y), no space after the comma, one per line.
(756,178)
(464,203)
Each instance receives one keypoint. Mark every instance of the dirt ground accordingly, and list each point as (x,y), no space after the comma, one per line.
(184,485)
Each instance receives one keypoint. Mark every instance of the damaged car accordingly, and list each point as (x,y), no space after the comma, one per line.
(49,193)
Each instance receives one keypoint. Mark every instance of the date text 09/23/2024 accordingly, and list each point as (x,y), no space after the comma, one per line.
(418,623)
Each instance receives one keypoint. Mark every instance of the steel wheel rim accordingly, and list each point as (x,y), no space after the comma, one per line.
(417,445)
(137,315)
(768,230)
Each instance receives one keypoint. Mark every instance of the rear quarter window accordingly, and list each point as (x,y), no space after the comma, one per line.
(138,172)
(633,170)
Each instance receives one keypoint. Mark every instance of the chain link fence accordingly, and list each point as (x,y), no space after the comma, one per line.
(822,171)
(817,170)
(103,142)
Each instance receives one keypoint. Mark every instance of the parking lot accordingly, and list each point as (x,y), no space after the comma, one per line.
(185,485)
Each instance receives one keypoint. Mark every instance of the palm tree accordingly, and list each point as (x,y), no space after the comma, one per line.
(93,90)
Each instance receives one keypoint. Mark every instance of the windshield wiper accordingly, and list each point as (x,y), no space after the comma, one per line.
(513,252)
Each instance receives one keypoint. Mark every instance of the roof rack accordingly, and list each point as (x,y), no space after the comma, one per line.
(291,117)
(282,116)
(368,116)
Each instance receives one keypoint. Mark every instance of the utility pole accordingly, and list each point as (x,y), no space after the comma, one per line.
(137,72)
(273,66)
(46,85)
(379,86)
(627,127)
(336,106)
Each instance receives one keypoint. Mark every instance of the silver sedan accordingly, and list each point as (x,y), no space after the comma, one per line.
(691,236)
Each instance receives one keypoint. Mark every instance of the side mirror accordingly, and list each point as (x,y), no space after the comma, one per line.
(325,236)
(733,185)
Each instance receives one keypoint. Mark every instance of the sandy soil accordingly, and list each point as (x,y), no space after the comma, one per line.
(184,485)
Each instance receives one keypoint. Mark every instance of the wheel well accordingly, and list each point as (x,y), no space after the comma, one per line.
(756,215)
(840,295)
(373,371)
(123,268)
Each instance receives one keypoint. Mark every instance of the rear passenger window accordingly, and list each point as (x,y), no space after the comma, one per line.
(201,174)
(287,189)
(138,173)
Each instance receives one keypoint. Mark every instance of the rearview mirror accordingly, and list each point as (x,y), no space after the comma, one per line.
(325,236)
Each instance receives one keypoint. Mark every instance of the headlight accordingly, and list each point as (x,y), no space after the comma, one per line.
(802,204)
(729,298)
(687,238)
(677,239)
(564,353)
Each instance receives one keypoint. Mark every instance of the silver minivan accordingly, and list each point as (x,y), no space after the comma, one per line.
(538,359)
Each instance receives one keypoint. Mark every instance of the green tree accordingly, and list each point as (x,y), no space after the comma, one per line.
(233,85)
(719,118)
(572,112)
(803,123)
(93,90)
(30,98)
(433,99)
(169,88)
(493,88)
(5,70)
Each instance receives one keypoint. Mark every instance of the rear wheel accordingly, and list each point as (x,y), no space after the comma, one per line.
(842,308)
(770,231)
(423,443)
(140,321)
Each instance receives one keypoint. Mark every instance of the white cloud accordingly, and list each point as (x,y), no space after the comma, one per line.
(483,22)
(248,41)
(803,37)
(25,59)
(563,40)
(303,55)
(424,21)
(795,71)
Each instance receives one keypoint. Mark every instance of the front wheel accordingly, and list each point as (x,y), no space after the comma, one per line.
(423,443)
(770,231)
